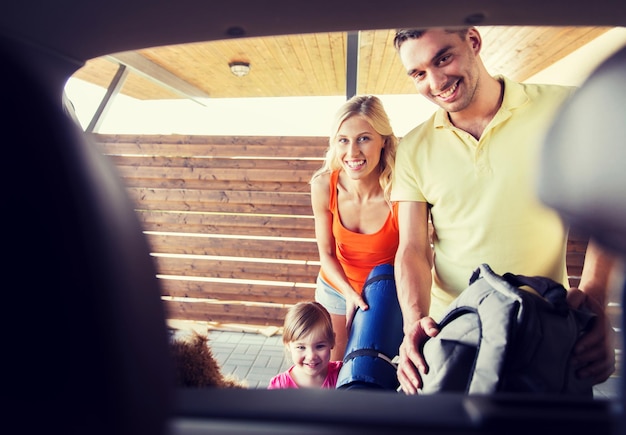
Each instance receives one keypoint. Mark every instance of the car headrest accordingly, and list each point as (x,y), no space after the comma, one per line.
(583,164)
(85,338)
(582,171)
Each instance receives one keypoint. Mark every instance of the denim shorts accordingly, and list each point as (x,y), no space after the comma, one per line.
(330,298)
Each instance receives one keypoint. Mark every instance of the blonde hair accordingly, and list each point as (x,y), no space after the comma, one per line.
(304,317)
(371,108)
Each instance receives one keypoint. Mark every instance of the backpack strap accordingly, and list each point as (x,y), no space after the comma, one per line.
(554,293)
(547,288)
(375,278)
(498,312)
(369,352)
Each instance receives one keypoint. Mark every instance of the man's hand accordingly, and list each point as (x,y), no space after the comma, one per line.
(594,353)
(411,361)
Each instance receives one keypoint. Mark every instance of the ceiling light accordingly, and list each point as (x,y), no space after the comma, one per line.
(240,69)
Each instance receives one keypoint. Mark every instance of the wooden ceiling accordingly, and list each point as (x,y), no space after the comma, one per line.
(315,64)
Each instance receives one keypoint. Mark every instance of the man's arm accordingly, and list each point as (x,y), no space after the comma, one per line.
(595,351)
(413,282)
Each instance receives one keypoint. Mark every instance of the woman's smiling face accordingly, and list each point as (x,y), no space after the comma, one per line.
(359,147)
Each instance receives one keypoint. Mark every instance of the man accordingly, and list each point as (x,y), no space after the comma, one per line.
(470,167)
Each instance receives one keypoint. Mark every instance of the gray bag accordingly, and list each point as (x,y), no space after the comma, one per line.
(496,337)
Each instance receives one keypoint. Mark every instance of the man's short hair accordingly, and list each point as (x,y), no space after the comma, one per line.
(404,34)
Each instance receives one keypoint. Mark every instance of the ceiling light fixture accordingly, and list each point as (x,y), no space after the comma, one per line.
(240,69)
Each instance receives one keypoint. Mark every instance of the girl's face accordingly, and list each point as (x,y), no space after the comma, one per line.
(311,354)
(359,147)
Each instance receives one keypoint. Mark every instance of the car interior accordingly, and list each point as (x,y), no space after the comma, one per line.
(87,341)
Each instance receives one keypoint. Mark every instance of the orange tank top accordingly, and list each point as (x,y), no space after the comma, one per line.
(358,253)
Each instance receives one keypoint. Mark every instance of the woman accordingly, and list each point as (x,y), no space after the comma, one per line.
(356,225)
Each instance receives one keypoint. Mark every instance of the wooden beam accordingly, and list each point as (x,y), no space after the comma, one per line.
(105,104)
(250,314)
(352,64)
(217,223)
(150,70)
(225,290)
(224,201)
(209,145)
(234,246)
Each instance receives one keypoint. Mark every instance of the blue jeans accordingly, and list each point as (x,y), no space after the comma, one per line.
(330,298)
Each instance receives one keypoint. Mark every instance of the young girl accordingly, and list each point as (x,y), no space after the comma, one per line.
(356,226)
(308,337)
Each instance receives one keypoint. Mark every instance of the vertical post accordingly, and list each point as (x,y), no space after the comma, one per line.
(352,64)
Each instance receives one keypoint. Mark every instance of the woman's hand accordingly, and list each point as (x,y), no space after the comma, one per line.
(353,302)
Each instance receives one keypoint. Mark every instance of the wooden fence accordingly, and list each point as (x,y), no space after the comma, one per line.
(228,219)
(230,224)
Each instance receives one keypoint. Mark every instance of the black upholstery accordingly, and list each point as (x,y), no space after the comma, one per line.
(583,167)
(583,170)
(85,348)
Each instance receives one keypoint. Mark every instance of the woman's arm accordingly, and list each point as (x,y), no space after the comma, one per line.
(320,196)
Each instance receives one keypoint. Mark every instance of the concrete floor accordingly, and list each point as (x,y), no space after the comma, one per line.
(252,357)
(255,358)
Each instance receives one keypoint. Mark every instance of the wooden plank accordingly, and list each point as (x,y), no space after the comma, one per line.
(220,185)
(577,241)
(279,48)
(152,71)
(320,54)
(577,246)
(217,146)
(575,262)
(619,343)
(274,203)
(282,164)
(196,196)
(214,267)
(557,43)
(573,281)
(218,223)
(234,246)
(274,180)
(203,327)
(236,291)
(614,313)
(210,174)
(269,315)
(295,151)
(575,256)
(539,47)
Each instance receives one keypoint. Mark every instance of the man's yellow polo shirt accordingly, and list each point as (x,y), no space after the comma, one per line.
(482,193)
